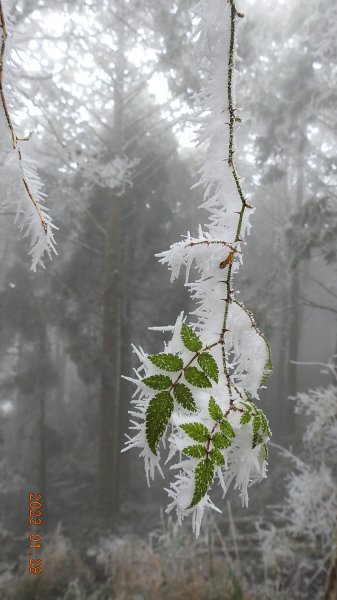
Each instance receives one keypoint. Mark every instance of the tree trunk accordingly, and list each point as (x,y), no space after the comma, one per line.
(42,451)
(126,366)
(283,414)
(109,446)
(294,292)
(294,330)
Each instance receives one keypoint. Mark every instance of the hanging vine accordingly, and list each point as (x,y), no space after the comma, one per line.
(199,393)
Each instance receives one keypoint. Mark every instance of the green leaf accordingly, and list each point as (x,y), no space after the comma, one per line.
(197,431)
(226,428)
(196,451)
(216,457)
(190,339)
(267,371)
(183,395)
(209,366)
(220,441)
(264,423)
(214,410)
(204,474)
(158,415)
(167,362)
(257,439)
(196,377)
(246,417)
(268,367)
(256,424)
(158,382)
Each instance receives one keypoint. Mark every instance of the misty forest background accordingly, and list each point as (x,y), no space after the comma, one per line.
(102,79)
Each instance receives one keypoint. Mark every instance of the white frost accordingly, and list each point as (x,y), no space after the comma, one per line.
(208,255)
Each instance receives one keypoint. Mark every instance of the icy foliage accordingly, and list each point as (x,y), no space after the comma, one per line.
(116,174)
(312,501)
(308,514)
(20,183)
(320,406)
(196,398)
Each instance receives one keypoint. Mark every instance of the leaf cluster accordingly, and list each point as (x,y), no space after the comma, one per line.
(171,389)
(211,442)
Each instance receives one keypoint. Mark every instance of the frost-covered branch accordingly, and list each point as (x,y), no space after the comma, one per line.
(198,394)
(19,179)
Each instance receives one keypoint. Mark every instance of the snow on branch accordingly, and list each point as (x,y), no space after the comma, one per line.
(197,397)
(19,180)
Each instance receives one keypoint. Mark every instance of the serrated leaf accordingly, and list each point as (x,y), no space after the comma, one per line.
(256,424)
(167,362)
(216,457)
(190,339)
(214,410)
(158,415)
(226,428)
(267,371)
(158,382)
(268,367)
(220,441)
(246,417)
(196,377)
(209,366)
(204,474)
(197,431)
(184,396)
(257,439)
(264,423)
(196,451)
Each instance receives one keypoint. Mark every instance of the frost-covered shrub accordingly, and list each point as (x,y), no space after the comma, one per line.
(197,397)
(301,548)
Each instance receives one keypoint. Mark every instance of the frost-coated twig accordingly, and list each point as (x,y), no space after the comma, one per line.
(244,204)
(198,394)
(328,366)
(33,220)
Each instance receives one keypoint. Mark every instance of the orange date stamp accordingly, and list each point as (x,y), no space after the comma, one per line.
(35,538)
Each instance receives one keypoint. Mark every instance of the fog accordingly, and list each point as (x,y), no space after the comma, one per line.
(107,91)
